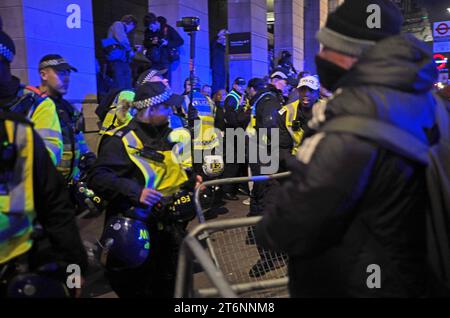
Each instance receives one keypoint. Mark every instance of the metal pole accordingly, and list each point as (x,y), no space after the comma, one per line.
(191,74)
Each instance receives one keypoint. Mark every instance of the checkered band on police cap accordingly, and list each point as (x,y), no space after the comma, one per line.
(153,101)
(6,53)
(51,63)
(7,48)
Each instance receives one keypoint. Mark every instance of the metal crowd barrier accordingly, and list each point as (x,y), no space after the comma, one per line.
(225,251)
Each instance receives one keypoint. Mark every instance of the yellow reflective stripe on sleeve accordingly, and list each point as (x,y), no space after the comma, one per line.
(46,123)
(133,145)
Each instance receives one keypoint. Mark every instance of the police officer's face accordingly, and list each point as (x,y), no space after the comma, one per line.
(57,81)
(239,88)
(156,116)
(308,96)
(130,27)
(280,84)
(154,26)
(207,91)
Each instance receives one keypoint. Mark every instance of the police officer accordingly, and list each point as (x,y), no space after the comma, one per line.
(29,101)
(55,74)
(31,190)
(293,118)
(237,115)
(118,113)
(266,102)
(135,172)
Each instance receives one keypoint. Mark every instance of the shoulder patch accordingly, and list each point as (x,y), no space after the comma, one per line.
(282,111)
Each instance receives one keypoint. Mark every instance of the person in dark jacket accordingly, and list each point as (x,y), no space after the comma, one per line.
(120,54)
(219,101)
(237,115)
(60,242)
(350,205)
(135,171)
(161,41)
(286,63)
(266,101)
(218,48)
(53,210)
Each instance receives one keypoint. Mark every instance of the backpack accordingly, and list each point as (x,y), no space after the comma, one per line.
(437,159)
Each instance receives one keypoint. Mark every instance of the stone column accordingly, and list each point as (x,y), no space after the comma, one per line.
(316,13)
(174,10)
(41,27)
(289,30)
(250,16)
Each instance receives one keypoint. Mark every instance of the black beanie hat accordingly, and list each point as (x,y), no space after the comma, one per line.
(347,31)
(7,47)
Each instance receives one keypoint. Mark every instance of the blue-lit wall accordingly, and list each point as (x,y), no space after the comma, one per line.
(50,28)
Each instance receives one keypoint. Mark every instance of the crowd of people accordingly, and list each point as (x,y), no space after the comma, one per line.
(350,201)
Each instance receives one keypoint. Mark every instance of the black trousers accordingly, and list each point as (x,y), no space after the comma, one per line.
(156,277)
(234,170)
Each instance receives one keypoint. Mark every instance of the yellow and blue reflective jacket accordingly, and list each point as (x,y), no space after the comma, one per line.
(165,175)
(291,111)
(115,117)
(17,210)
(43,115)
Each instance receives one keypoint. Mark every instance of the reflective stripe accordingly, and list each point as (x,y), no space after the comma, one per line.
(54,152)
(49,133)
(291,114)
(236,97)
(17,206)
(133,144)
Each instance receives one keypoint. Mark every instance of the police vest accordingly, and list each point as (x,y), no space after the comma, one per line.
(291,111)
(205,136)
(74,144)
(251,128)
(17,209)
(161,170)
(112,120)
(42,113)
(237,98)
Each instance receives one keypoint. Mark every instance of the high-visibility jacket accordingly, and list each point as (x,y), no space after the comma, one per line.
(46,122)
(17,209)
(74,143)
(114,118)
(291,115)
(165,176)
(205,136)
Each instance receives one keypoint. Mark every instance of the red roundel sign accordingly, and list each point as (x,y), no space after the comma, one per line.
(441,61)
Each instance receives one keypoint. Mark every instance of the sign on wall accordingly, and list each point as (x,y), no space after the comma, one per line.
(240,45)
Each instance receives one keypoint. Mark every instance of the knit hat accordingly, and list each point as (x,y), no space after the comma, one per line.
(347,30)
(7,47)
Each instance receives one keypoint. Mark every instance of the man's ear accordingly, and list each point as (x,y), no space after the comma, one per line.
(44,75)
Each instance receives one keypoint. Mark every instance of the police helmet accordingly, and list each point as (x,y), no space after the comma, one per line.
(125,243)
(32,285)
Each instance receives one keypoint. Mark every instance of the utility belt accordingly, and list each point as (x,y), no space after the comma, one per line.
(87,203)
(178,208)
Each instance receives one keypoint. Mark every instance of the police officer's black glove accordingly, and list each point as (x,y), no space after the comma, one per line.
(87,161)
